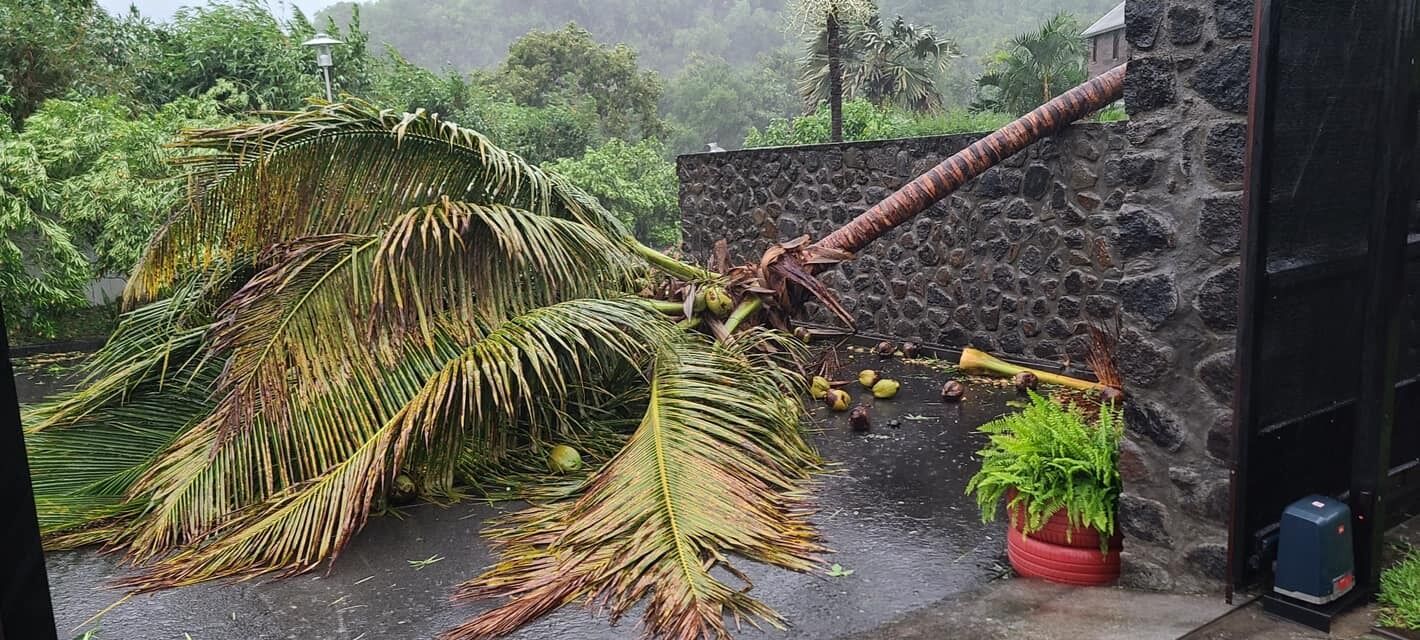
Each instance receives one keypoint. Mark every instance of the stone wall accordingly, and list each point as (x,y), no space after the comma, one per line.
(1016,262)
(1186,93)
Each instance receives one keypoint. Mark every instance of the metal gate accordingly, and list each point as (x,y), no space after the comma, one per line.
(1329,327)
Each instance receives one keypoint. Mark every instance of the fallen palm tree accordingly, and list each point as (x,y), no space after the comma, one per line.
(354,303)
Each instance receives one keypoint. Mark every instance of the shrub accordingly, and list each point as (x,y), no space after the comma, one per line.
(863,121)
(1055,458)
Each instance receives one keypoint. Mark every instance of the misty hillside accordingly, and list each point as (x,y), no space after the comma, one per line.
(469,34)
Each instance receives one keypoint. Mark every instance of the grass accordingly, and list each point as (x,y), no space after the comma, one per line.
(1400,593)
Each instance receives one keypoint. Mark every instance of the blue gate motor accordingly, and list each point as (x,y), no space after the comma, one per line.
(1314,561)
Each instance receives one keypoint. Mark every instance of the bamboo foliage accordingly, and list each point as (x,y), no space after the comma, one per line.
(350,298)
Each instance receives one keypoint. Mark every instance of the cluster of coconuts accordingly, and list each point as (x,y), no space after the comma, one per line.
(839,400)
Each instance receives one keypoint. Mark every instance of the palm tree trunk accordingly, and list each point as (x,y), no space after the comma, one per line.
(943,179)
(835,77)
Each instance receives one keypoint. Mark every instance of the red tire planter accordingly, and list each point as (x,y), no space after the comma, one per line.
(1049,555)
(1056,563)
(1057,529)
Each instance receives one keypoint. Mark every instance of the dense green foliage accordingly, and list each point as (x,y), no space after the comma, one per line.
(1054,458)
(1034,67)
(634,182)
(864,121)
(711,100)
(555,67)
(1400,593)
(84,184)
(51,48)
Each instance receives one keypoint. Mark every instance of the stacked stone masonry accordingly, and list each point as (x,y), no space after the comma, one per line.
(1186,93)
(1136,221)
(1019,261)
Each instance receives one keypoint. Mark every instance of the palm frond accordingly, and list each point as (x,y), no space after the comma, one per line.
(286,499)
(150,346)
(717,466)
(83,472)
(337,168)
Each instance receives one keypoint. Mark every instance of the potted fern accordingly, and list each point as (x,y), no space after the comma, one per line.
(1057,472)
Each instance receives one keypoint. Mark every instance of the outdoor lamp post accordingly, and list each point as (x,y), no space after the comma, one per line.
(322,44)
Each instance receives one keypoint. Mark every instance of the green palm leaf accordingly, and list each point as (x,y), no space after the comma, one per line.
(330,460)
(338,168)
(717,465)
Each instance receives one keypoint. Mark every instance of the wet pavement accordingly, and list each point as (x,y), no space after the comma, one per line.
(892,508)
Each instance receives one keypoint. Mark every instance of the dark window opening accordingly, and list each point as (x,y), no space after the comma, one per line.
(1116,45)
(1094,49)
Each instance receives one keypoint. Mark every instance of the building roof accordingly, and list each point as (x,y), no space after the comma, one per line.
(1111,21)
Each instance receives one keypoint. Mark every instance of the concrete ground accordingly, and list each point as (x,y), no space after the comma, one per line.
(1249,622)
(893,509)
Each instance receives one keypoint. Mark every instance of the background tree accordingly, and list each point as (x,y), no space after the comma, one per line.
(634,182)
(827,16)
(711,100)
(57,47)
(897,64)
(538,134)
(1034,67)
(84,184)
(544,68)
(401,84)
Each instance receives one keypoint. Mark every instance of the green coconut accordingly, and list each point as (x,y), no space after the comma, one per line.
(564,459)
(885,388)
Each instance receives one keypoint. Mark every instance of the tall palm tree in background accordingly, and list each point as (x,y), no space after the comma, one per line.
(895,65)
(1034,67)
(355,306)
(827,17)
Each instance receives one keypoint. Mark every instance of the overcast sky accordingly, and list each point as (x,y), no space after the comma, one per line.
(163,9)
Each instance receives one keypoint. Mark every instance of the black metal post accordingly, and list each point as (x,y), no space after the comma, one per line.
(25,609)
(1384,281)
(1255,191)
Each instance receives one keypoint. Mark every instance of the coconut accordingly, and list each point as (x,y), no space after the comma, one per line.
(403,491)
(858,419)
(885,349)
(718,301)
(1025,381)
(1111,395)
(911,349)
(820,386)
(953,391)
(564,459)
(868,378)
(837,399)
(885,388)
